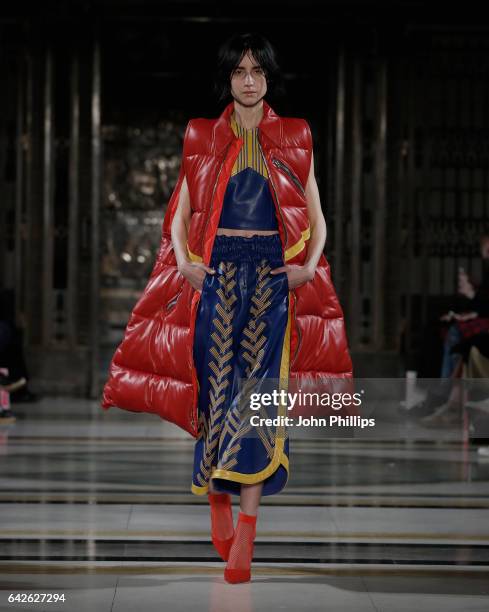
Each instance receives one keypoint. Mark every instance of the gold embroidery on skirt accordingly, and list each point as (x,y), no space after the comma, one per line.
(220,366)
(253,343)
(213,430)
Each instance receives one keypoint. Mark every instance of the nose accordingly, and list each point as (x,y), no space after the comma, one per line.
(249,78)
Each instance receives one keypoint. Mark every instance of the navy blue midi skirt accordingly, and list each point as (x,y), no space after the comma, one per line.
(242,332)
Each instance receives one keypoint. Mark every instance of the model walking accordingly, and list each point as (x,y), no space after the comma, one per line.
(241,324)
(246,294)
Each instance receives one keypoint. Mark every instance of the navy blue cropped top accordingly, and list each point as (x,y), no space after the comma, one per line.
(248,202)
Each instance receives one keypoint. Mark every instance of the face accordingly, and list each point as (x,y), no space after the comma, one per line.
(248,81)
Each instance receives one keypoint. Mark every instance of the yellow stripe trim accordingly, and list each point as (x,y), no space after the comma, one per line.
(193,256)
(299,245)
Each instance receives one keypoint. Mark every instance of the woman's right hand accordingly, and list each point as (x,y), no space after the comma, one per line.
(194,272)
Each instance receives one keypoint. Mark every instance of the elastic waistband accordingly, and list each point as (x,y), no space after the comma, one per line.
(240,247)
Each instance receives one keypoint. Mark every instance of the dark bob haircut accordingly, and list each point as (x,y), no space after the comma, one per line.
(230,54)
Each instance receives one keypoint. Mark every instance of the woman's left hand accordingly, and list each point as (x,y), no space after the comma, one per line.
(297,275)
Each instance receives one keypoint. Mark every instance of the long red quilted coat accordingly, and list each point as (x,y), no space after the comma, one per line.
(152,369)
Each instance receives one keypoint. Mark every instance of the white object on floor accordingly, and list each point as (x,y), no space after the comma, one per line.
(413,395)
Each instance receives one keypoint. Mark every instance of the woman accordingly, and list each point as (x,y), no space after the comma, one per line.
(241,329)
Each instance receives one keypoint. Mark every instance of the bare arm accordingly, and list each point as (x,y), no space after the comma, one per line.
(318,224)
(180,225)
(194,272)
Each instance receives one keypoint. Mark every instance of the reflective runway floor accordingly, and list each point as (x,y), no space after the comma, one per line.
(96,510)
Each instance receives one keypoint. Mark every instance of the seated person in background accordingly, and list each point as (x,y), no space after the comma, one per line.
(466,329)
(12,352)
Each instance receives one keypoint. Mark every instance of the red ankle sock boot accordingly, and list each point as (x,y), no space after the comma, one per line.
(238,568)
(222,529)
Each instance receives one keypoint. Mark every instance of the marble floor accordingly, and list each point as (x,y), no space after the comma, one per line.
(97,514)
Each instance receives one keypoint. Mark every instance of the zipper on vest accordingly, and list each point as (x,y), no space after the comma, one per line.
(280,164)
(173,301)
(212,199)
(275,192)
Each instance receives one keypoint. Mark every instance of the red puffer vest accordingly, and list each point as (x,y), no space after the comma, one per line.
(152,369)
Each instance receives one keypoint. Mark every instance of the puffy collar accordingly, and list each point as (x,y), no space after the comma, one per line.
(269,128)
